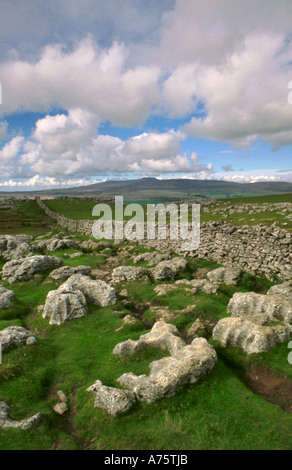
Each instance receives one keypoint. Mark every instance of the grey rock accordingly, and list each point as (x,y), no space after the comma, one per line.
(162,335)
(186,365)
(96,292)
(284,290)
(277,307)
(66,271)
(129,273)
(14,336)
(21,251)
(251,334)
(228,276)
(169,269)
(8,423)
(64,304)
(23,269)
(60,408)
(62,396)
(58,243)
(115,401)
(6,298)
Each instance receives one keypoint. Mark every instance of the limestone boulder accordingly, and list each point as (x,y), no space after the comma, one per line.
(57,243)
(64,304)
(276,307)
(228,276)
(96,291)
(169,269)
(8,423)
(67,271)
(115,401)
(285,290)
(162,335)
(168,375)
(21,251)
(15,336)
(129,273)
(6,298)
(24,269)
(252,334)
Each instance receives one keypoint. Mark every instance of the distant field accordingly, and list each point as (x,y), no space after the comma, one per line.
(259,199)
(27,218)
(82,209)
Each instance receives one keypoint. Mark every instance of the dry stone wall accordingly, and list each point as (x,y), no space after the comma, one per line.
(261,250)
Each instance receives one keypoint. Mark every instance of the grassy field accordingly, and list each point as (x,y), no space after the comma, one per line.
(83,210)
(27,218)
(221,412)
(225,410)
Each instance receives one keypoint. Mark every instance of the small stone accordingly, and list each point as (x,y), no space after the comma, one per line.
(60,408)
(62,396)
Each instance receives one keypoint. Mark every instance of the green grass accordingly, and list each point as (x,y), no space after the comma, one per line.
(219,412)
(28,218)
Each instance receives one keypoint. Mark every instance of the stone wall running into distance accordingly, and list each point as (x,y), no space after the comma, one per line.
(261,250)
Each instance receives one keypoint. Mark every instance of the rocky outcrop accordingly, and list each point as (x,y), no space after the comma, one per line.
(9,243)
(253,334)
(15,336)
(285,290)
(8,423)
(115,401)
(23,269)
(67,271)
(6,298)
(186,364)
(64,304)
(169,269)
(228,276)
(152,258)
(129,273)
(57,243)
(96,292)
(276,307)
(258,322)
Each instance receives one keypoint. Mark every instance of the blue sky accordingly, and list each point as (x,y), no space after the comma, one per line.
(95,90)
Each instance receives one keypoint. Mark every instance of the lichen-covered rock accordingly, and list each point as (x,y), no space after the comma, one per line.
(96,292)
(64,304)
(162,335)
(277,307)
(228,276)
(66,271)
(284,290)
(129,273)
(113,400)
(57,243)
(6,298)
(168,375)
(199,285)
(251,334)
(24,268)
(21,251)
(14,336)
(8,423)
(9,242)
(169,269)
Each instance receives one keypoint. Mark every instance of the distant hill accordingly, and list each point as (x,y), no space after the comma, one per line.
(154,190)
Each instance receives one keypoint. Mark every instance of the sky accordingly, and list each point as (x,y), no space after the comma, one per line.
(96,90)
